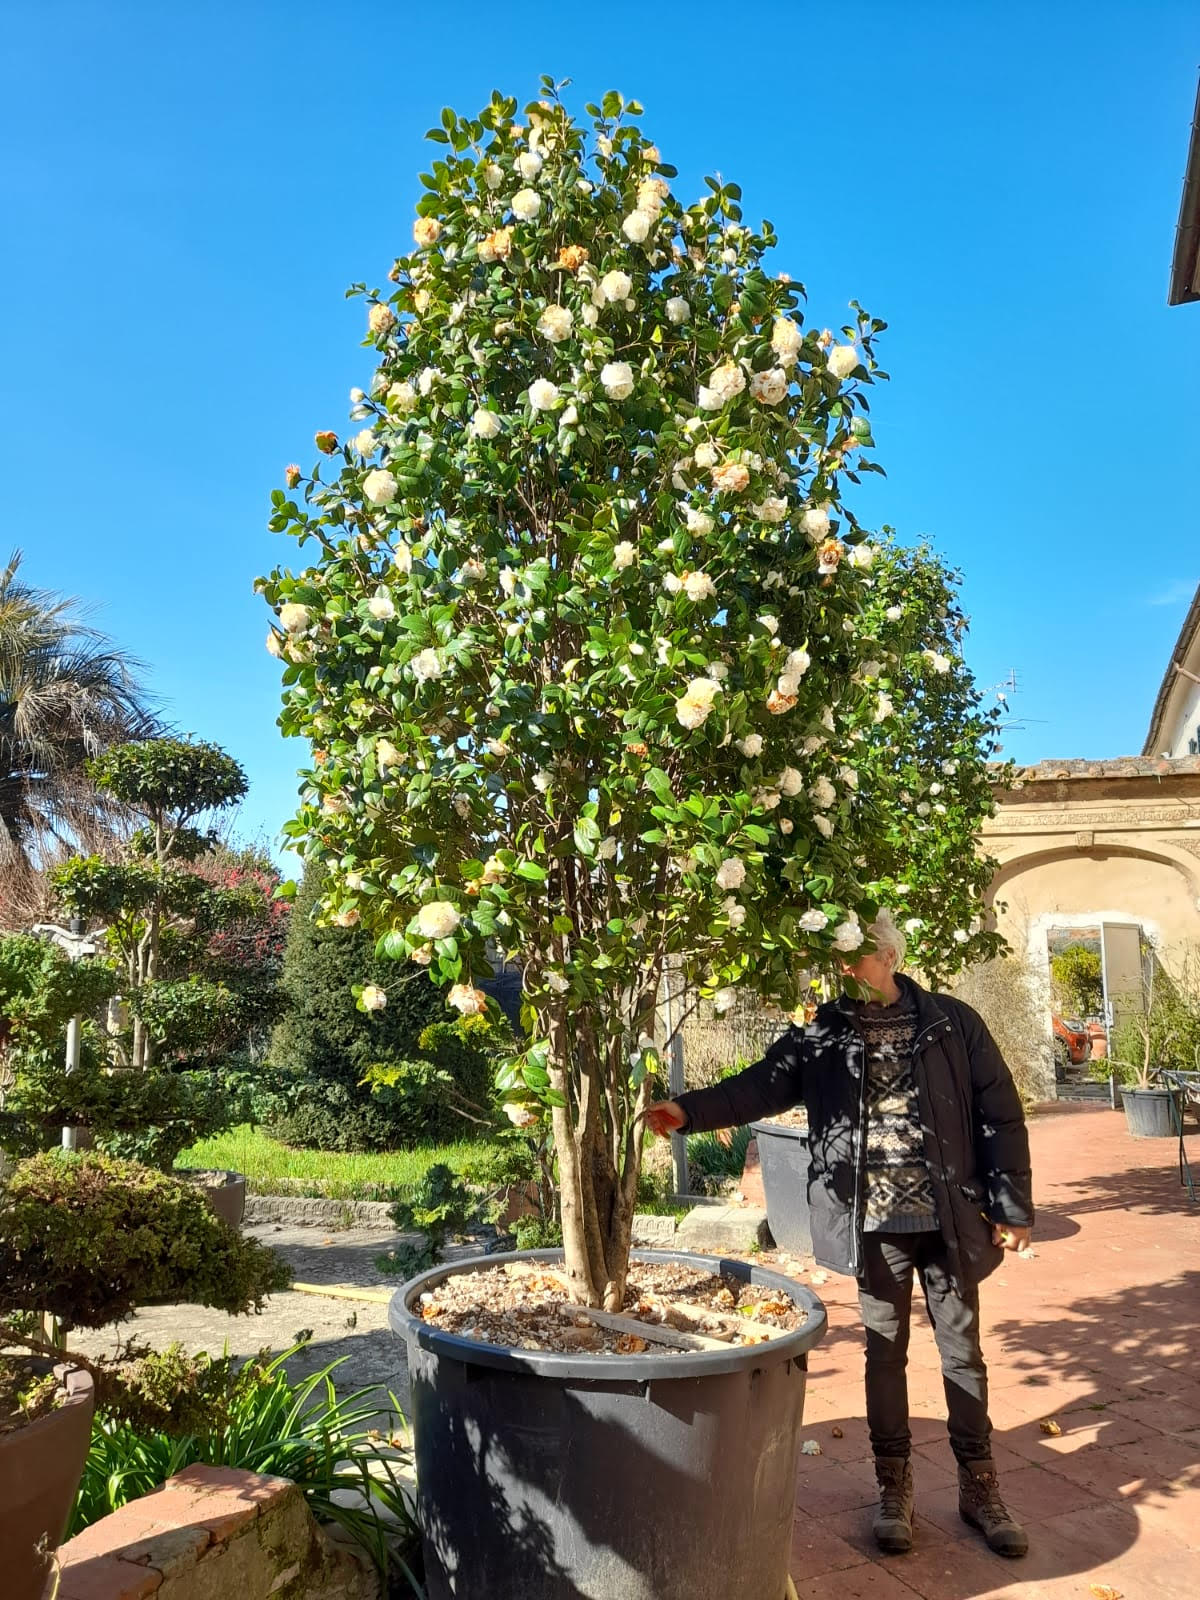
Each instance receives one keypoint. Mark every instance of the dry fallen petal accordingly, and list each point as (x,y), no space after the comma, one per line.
(630,1344)
(1051,1427)
(837,1432)
(810,1447)
(1105,1591)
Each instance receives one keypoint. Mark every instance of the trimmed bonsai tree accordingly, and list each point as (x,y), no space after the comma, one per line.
(590,650)
(86,1239)
(194,945)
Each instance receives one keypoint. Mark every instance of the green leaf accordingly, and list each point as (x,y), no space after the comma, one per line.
(659,785)
(536,874)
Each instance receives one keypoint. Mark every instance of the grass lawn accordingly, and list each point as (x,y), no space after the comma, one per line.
(266,1162)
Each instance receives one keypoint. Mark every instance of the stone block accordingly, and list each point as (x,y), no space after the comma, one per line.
(716,1230)
(653,1233)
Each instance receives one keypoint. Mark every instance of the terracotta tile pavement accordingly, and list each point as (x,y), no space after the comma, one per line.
(1101,1333)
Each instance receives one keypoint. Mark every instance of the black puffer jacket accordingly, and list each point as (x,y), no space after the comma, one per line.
(976,1143)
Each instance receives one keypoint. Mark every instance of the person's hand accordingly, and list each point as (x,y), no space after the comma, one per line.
(665,1118)
(1007,1238)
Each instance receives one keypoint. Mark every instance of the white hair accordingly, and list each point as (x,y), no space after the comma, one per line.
(886,936)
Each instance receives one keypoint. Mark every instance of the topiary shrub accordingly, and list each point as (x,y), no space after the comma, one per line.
(88,1239)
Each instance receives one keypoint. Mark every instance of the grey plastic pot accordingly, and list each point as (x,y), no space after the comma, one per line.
(226,1198)
(783,1160)
(644,1477)
(1148,1113)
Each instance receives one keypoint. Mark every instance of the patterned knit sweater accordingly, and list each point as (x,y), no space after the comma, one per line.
(899,1194)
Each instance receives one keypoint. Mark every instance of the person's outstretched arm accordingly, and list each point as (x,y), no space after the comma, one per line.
(771,1085)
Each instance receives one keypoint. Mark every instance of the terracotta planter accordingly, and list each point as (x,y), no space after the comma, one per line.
(40,1469)
(224,1191)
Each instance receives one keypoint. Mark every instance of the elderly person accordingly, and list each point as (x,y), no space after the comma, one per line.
(919,1166)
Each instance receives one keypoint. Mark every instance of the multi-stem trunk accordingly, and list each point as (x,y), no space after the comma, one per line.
(597,1136)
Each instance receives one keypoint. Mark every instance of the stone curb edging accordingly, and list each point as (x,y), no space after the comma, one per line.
(313,1213)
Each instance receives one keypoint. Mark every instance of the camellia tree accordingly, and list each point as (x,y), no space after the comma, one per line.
(589,650)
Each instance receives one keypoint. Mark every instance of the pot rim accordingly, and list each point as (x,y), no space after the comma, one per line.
(775,1130)
(192,1174)
(646,1367)
(77,1381)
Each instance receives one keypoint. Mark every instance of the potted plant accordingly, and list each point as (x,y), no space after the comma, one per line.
(84,1241)
(1155,1031)
(593,665)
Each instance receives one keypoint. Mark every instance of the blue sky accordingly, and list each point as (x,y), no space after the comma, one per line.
(187,191)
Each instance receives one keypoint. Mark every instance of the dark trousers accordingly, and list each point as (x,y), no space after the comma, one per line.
(885,1291)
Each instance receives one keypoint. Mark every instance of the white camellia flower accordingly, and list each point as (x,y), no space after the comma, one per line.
(617,379)
(849,777)
(769,387)
(387,755)
(862,556)
(960,936)
(884,708)
(786,340)
(426,665)
(734,911)
(731,874)
(772,509)
(789,782)
(824,826)
(274,647)
(847,936)
(366,442)
(373,997)
(718,670)
(529,164)
(813,921)
(815,522)
(699,586)
(557,983)
(678,310)
(293,617)
(949,768)
(894,613)
(731,478)
(467,1000)
(727,381)
(812,744)
(694,706)
(798,663)
(485,424)
(335,805)
(542,781)
(543,395)
(624,555)
(508,581)
(698,522)
(724,1000)
(493,175)
(939,663)
(403,396)
(822,794)
(913,925)
(381,606)
(636,227)
(526,204)
(473,570)
(842,360)
(615,286)
(555,324)
(707,455)
(751,745)
(438,919)
(380,487)
(380,319)
(422,955)
(520,1116)
(607,848)
(402,560)
(923,808)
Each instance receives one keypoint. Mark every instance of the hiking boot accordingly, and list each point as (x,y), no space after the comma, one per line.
(893,1522)
(980,1505)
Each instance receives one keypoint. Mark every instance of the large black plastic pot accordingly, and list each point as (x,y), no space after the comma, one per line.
(40,1468)
(642,1477)
(1148,1113)
(783,1160)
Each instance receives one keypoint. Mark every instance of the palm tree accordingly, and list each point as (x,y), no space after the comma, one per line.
(66,693)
